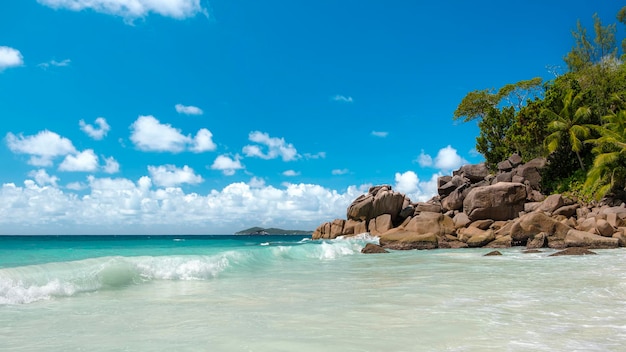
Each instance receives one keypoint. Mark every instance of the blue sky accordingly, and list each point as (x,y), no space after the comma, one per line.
(192,116)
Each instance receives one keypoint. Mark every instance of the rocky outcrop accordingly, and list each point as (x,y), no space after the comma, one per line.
(372,248)
(573,251)
(476,209)
(501,201)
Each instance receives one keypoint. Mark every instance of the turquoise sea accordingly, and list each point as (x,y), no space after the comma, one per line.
(289,293)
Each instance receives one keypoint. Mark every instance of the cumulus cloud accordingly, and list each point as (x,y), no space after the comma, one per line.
(111,166)
(148,134)
(290,173)
(119,205)
(171,176)
(42,178)
(380,134)
(424,160)
(85,161)
(342,98)
(42,147)
(447,160)
(276,147)
(132,9)
(55,63)
(410,184)
(203,141)
(188,109)
(10,57)
(98,132)
(340,171)
(227,164)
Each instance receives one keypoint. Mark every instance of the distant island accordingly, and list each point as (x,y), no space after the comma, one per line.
(271,231)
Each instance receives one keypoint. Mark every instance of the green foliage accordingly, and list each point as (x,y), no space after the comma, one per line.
(478,103)
(492,141)
(608,173)
(529,130)
(475,104)
(577,120)
(568,125)
(586,53)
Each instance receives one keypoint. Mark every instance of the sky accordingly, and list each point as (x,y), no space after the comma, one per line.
(209,117)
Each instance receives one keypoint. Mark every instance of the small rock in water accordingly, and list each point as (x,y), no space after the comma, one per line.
(492,253)
(531,251)
(373,248)
(573,251)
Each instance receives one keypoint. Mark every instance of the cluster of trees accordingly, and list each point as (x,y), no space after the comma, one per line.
(577,120)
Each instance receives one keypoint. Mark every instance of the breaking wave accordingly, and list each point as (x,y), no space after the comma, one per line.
(32,283)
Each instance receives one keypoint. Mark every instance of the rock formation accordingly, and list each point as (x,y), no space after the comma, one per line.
(475,208)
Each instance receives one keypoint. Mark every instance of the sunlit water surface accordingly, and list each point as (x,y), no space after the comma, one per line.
(286,293)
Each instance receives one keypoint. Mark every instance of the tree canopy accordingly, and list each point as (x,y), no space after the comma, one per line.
(577,120)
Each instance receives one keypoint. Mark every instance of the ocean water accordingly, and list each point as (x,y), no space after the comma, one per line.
(288,293)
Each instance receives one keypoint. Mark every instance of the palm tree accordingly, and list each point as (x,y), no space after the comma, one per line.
(608,172)
(568,125)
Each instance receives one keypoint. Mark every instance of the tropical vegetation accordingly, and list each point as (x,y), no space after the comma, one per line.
(576,120)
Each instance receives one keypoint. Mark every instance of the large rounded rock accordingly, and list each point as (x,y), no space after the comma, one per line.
(380,224)
(531,171)
(387,202)
(501,201)
(530,225)
(322,231)
(361,208)
(474,172)
(403,240)
(373,248)
(427,222)
(482,239)
(379,200)
(576,238)
(551,203)
(573,251)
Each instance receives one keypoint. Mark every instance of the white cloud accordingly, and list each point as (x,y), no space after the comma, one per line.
(320,155)
(118,205)
(42,147)
(409,184)
(380,134)
(203,141)
(290,173)
(276,147)
(55,63)
(10,57)
(447,159)
(85,161)
(131,9)
(424,160)
(227,164)
(256,182)
(76,186)
(171,176)
(42,178)
(340,171)
(149,134)
(406,182)
(96,133)
(188,109)
(111,166)
(342,98)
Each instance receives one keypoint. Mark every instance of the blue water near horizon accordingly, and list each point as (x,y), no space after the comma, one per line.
(291,293)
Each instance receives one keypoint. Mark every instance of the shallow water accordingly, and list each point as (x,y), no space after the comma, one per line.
(286,294)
